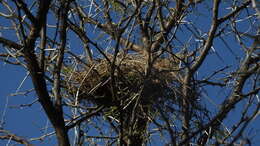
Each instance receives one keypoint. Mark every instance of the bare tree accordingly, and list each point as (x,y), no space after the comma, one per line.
(136,72)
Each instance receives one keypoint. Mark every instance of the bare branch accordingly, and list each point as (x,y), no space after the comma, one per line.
(9,136)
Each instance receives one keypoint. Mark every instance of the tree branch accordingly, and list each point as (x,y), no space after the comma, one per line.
(9,136)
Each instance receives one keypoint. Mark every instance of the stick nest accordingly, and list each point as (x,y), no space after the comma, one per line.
(131,80)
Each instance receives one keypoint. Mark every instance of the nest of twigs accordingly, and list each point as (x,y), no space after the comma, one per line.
(96,84)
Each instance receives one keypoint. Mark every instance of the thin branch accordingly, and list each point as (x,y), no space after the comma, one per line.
(10,136)
(211,36)
(84,118)
(10,44)
(233,13)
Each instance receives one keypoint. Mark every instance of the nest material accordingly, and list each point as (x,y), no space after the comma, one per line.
(93,83)
(138,94)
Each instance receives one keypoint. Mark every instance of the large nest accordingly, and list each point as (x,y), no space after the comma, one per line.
(131,79)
